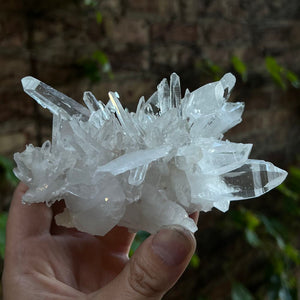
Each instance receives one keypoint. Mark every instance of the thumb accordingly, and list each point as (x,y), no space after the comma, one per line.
(154,268)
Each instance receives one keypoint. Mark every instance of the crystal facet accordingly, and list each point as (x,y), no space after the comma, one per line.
(141,170)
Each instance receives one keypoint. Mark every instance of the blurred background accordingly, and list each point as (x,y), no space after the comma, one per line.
(250,252)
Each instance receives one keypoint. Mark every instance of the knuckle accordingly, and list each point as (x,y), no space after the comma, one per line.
(142,281)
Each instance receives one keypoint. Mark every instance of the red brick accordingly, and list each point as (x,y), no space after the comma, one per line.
(219,32)
(251,122)
(256,99)
(12,70)
(128,31)
(175,32)
(12,143)
(12,32)
(14,104)
(144,5)
(176,56)
(161,8)
(11,5)
(130,59)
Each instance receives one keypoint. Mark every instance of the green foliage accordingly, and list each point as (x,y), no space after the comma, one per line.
(275,71)
(3,220)
(252,238)
(195,261)
(96,66)
(239,67)
(292,78)
(281,75)
(209,69)
(139,238)
(7,178)
(239,292)
(290,190)
(6,171)
(92,3)
(99,17)
(274,239)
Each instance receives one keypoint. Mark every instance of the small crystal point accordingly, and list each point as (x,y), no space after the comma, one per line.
(30,83)
(91,101)
(123,116)
(228,82)
(175,91)
(163,93)
(55,101)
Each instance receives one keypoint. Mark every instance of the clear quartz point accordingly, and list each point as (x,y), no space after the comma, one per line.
(56,102)
(175,91)
(145,169)
(91,102)
(163,94)
(253,179)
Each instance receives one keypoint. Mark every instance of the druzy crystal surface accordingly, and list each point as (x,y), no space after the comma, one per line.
(141,170)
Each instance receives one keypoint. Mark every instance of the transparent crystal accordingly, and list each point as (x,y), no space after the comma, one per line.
(55,101)
(91,102)
(141,170)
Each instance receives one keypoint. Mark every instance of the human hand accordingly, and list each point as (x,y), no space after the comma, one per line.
(46,261)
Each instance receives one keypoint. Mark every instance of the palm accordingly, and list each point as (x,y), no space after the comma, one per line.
(95,260)
(64,261)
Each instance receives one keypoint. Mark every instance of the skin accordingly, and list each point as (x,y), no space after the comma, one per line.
(45,261)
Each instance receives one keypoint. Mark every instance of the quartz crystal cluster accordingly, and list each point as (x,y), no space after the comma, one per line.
(141,170)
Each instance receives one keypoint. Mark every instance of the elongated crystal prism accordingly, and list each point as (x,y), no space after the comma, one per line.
(56,102)
(91,102)
(253,179)
(142,170)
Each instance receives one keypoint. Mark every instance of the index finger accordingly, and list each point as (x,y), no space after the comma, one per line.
(26,220)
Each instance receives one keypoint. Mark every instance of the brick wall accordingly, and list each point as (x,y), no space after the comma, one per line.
(145,41)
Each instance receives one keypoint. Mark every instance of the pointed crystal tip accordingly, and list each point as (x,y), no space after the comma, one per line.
(30,83)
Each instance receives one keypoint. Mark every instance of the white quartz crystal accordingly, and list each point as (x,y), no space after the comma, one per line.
(142,170)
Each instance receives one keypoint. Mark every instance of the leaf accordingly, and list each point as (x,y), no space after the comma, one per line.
(292,253)
(239,67)
(7,165)
(239,292)
(278,268)
(287,192)
(91,2)
(208,67)
(90,69)
(245,218)
(99,17)
(273,227)
(252,238)
(293,180)
(284,294)
(295,172)
(3,220)
(251,219)
(138,240)
(101,57)
(293,79)
(275,71)
(195,261)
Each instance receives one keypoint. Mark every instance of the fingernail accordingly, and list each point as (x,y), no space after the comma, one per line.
(173,244)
